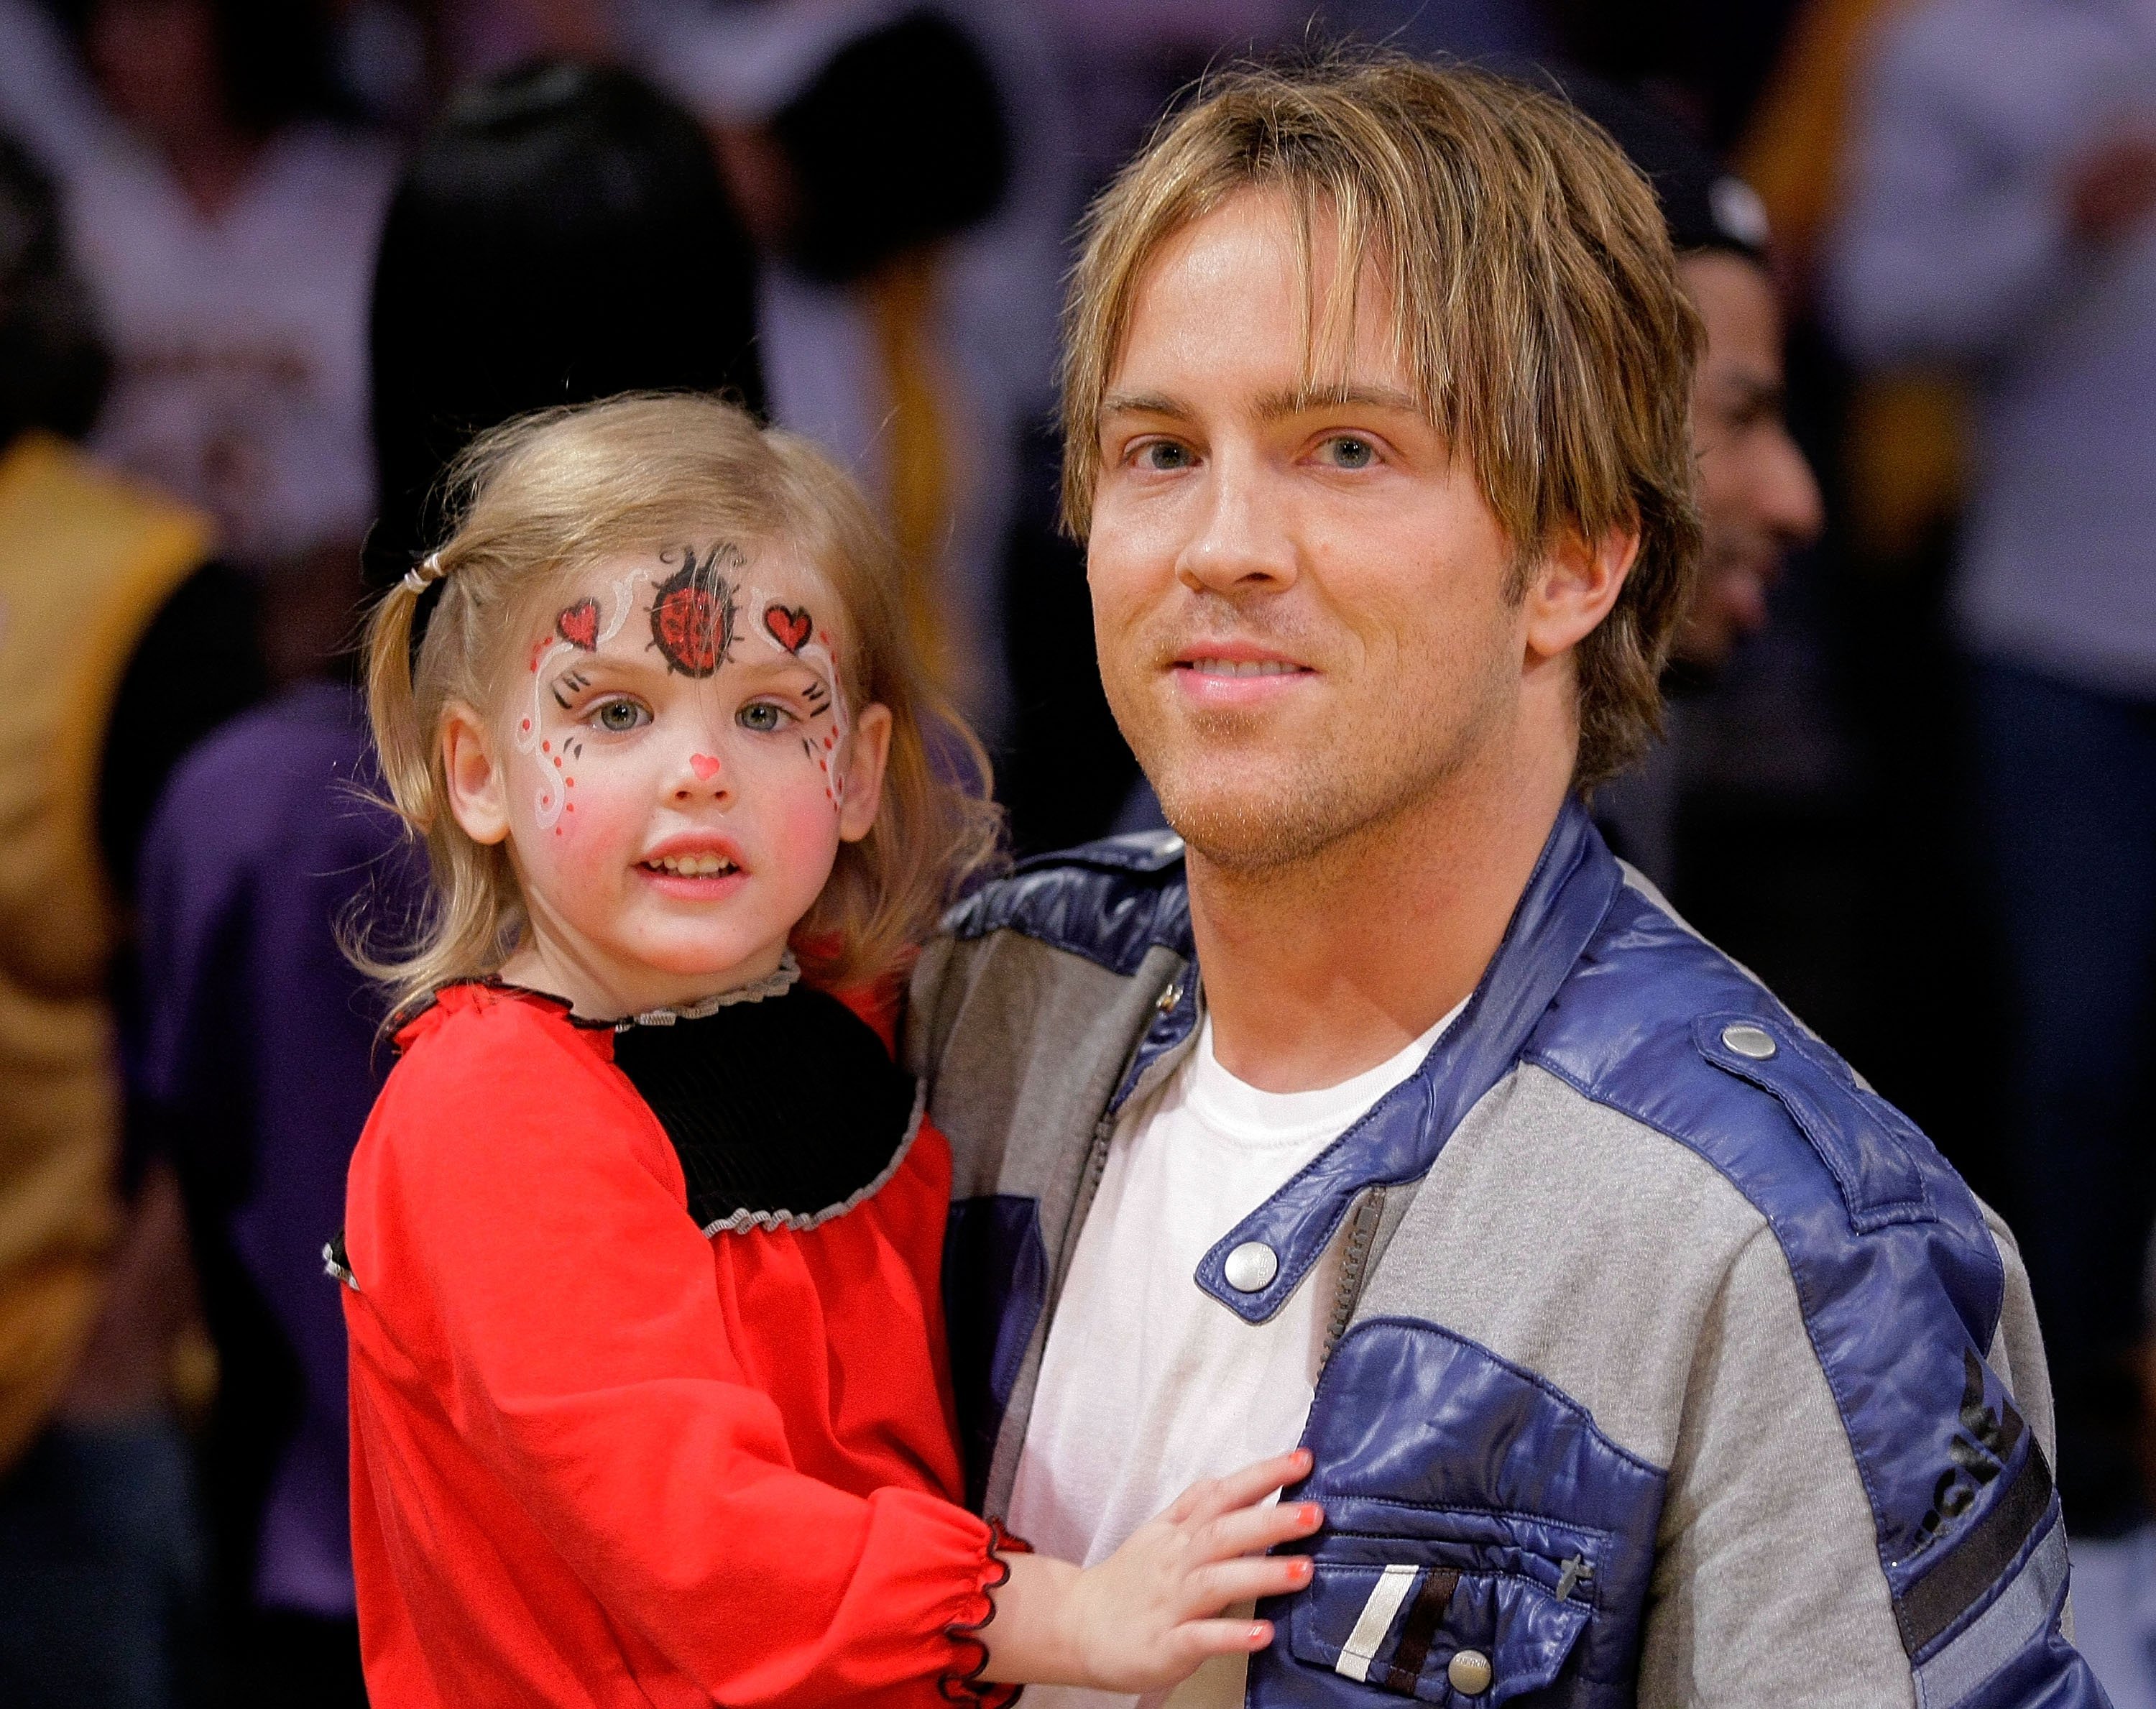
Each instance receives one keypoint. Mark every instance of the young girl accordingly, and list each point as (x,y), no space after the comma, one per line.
(649,1395)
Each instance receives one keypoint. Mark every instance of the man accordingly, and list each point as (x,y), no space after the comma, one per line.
(1757,499)
(2001,220)
(1643,1352)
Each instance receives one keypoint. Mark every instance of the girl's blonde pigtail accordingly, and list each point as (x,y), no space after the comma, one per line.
(400,744)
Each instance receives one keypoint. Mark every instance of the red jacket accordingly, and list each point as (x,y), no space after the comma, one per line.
(600,1460)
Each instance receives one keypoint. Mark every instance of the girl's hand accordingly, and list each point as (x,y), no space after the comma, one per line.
(1145,1617)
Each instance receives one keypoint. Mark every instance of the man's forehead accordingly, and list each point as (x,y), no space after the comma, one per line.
(1252,299)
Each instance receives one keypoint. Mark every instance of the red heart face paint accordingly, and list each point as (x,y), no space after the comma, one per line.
(790,626)
(578,624)
(704,766)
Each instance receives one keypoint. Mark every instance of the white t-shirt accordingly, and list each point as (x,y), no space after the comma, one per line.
(1148,1383)
(238,341)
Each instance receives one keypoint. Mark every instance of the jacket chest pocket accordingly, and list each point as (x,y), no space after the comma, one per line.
(1478,1634)
(1484,1542)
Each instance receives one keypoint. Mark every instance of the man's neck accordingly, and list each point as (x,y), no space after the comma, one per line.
(1320,969)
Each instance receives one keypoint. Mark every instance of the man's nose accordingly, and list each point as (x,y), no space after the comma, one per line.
(1792,499)
(1243,541)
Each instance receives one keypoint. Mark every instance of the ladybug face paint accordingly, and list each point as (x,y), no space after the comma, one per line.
(693,610)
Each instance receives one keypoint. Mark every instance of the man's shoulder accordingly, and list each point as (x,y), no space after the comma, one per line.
(1659,1024)
(1109,901)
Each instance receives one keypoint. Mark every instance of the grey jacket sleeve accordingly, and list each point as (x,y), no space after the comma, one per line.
(1767,1540)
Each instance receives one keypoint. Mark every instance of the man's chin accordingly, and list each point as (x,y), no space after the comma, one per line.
(1245,822)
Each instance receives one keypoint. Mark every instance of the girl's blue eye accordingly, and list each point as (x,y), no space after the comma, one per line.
(617,717)
(761,716)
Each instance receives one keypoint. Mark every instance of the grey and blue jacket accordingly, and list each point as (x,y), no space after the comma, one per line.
(1667,1362)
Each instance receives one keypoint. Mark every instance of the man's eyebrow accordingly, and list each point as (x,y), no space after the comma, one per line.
(1301,400)
(1758,391)
(1144,404)
(1271,406)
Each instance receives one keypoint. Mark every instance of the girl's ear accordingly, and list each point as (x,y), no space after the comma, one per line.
(868,750)
(479,786)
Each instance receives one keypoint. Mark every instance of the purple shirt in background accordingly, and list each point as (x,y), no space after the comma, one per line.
(258,1059)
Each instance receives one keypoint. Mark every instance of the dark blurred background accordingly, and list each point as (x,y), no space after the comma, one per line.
(265,265)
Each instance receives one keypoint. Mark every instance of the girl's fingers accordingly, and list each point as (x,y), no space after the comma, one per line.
(1227,1583)
(1240,1488)
(1252,1531)
(1199,1638)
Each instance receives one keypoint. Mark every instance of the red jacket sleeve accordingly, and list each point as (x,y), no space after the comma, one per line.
(517,1233)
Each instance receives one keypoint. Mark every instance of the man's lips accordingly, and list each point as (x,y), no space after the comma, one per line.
(1231,674)
(1242,667)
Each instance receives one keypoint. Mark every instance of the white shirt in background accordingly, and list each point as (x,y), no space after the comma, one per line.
(1148,1383)
(239,340)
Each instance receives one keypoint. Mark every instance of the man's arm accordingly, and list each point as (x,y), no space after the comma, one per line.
(1767,1544)
(1769,1586)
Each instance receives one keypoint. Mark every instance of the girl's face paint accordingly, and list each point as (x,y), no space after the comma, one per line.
(681,771)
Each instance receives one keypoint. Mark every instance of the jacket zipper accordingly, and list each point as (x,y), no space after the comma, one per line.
(1362,1230)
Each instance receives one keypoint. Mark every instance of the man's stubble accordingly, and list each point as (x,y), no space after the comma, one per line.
(1255,802)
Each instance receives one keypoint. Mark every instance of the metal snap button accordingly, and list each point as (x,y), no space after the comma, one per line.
(1748,1040)
(1469,1672)
(1250,1266)
(1169,997)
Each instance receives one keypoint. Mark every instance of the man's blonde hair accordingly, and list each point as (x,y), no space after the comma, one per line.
(1535,303)
(542,501)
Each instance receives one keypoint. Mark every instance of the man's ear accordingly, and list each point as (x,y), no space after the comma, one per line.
(1573,586)
(868,752)
(479,785)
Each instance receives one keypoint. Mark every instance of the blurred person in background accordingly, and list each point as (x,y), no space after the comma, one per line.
(1465,29)
(904,169)
(561,235)
(226,225)
(2115,1577)
(125,646)
(1998,218)
(1758,499)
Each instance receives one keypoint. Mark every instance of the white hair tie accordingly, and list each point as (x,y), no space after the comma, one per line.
(428,569)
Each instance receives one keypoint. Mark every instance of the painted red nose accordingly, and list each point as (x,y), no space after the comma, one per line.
(704,766)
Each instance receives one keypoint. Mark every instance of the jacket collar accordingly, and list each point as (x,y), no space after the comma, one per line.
(1571,889)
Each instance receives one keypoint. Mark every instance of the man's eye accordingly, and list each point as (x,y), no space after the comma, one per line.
(761,716)
(1344,451)
(617,718)
(1163,454)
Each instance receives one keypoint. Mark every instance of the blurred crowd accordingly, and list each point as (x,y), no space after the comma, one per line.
(266,266)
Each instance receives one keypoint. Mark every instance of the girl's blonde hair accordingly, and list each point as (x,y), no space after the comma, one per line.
(541,499)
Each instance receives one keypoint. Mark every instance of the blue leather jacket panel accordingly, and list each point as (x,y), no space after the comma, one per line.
(1469,1507)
